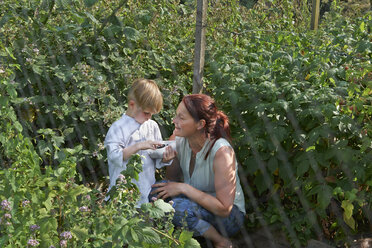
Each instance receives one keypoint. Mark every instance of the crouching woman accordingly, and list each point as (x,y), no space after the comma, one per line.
(203,178)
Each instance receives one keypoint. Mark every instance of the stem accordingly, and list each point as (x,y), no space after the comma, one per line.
(104,23)
(166,235)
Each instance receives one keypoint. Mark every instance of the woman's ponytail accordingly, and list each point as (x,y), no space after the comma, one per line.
(221,128)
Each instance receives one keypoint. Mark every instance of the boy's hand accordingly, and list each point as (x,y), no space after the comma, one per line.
(169,154)
(148,144)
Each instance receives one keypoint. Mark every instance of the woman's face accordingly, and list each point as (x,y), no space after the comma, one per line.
(184,124)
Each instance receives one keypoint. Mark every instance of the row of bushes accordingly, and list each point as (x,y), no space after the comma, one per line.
(299,104)
(46,207)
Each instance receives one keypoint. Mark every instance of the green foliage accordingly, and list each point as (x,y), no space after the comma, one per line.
(77,59)
(44,206)
(299,103)
(300,110)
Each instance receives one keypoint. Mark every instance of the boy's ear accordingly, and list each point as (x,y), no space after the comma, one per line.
(131,103)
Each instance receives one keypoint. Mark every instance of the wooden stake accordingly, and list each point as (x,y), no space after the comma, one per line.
(201,17)
(315,15)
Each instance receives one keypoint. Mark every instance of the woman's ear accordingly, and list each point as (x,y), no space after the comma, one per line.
(201,124)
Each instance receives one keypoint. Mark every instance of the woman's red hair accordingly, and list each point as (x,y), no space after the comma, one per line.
(202,107)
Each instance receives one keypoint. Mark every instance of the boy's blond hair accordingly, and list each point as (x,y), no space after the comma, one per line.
(146,94)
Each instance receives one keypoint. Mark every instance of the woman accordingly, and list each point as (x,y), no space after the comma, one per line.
(210,199)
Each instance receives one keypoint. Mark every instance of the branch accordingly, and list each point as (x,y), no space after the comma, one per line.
(166,235)
(104,23)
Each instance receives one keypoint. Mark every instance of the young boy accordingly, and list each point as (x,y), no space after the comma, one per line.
(135,132)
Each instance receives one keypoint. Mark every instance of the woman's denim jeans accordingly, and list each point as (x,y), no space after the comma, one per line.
(197,219)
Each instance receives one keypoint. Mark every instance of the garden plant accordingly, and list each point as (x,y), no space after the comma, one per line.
(299,103)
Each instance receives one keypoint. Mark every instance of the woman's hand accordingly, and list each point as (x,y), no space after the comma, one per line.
(169,189)
(169,154)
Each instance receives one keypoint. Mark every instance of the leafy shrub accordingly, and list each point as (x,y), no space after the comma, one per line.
(46,207)
(300,106)
(76,61)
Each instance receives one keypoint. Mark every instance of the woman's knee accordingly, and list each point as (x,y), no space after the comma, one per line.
(186,213)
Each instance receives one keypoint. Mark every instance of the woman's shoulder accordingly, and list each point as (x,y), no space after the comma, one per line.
(220,143)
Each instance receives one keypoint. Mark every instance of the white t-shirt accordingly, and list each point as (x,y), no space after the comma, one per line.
(123,133)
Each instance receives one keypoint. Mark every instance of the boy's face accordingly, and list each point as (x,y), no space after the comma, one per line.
(138,113)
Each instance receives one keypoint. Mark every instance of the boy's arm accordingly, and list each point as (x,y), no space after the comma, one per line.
(168,155)
(114,143)
(117,149)
(144,145)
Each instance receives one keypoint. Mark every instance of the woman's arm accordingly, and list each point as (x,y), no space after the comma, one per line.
(224,183)
(174,172)
(225,186)
(225,178)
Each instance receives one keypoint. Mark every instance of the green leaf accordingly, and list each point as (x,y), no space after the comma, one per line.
(48,224)
(348,213)
(145,17)
(4,20)
(37,69)
(10,52)
(134,235)
(150,236)
(185,235)
(366,143)
(12,92)
(80,233)
(18,126)
(337,191)
(310,148)
(43,147)
(3,101)
(58,140)
(251,166)
(192,243)
(92,18)
(324,196)
(349,221)
(166,207)
(260,183)
(60,171)
(303,167)
(46,131)
(274,218)
(124,231)
(74,192)
(48,203)
(131,33)
(115,21)
(90,3)
(348,208)
(362,27)
(272,164)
